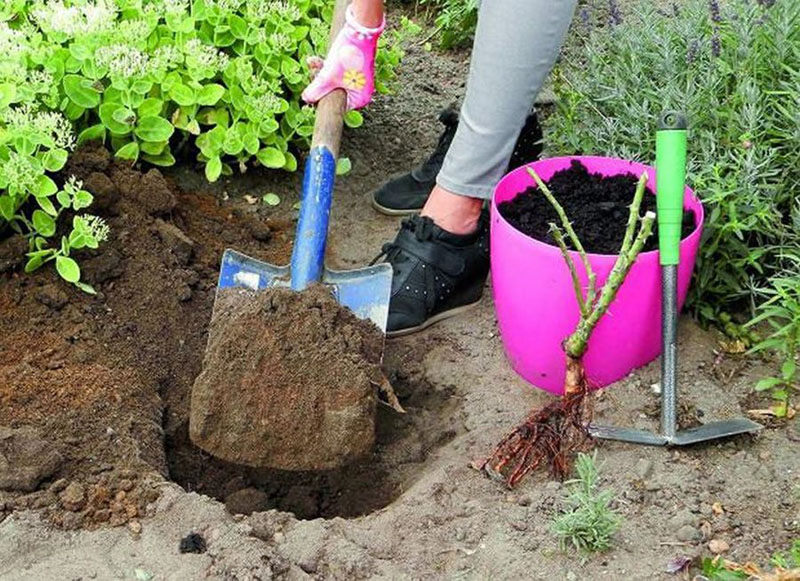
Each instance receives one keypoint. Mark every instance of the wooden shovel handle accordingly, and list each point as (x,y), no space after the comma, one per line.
(331,108)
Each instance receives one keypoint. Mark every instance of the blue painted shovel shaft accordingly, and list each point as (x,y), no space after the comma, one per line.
(308,255)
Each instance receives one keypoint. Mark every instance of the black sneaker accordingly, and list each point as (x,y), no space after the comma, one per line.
(406,194)
(437,274)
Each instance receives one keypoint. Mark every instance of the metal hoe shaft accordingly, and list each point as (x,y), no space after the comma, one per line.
(669,358)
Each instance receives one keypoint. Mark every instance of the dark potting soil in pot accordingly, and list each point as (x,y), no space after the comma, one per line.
(289,381)
(597,206)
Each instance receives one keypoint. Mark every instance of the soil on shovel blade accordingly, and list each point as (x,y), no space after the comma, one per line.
(288,381)
(597,206)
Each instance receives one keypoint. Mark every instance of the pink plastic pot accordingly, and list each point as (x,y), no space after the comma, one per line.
(535,300)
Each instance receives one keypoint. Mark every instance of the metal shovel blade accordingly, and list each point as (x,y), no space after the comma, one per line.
(365,291)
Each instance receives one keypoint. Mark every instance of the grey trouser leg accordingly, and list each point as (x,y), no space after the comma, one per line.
(516,44)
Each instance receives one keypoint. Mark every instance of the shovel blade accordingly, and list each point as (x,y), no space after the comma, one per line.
(365,291)
(715,430)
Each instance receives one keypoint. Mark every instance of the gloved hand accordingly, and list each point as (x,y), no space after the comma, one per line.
(350,64)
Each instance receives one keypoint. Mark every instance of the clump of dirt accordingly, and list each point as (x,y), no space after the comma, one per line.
(597,206)
(288,381)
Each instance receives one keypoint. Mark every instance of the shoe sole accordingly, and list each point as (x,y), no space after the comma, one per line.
(432,321)
(393,211)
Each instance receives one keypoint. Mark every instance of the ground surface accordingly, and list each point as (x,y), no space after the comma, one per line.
(106,380)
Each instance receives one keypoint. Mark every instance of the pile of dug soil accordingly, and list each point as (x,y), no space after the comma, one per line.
(597,206)
(288,381)
(95,390)
(90,385)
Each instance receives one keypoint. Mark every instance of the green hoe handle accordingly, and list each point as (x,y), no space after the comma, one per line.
(670,184)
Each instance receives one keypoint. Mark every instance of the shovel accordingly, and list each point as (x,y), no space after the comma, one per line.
(364,291)
(670,185)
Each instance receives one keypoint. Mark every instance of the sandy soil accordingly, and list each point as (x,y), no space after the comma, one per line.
(417,510)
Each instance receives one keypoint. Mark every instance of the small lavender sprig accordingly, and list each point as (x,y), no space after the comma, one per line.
(614,14)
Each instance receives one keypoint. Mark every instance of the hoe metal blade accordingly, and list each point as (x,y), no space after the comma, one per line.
(712,431)
(715,430)
(630,435)
(365,291)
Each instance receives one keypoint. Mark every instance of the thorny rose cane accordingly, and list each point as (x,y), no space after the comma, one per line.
(553,433)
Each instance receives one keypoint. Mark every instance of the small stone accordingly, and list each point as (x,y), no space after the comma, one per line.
(683,518)
(643,468)
(309,564)
(125,485)
(59,485)
(717,509)
(511,498)
(99,496)
(266,524)
(52,295)
(524,500)
(258,230)
(135,527)
(102,515)
(73,498)
(295,573)
(120,495)
(571,576)
(43,499)
(247,501)
(689,534)
(718,546)
(154,193)
(72,520)
(461,534)
(181,246)
(184,293)
(278,538)
(519,525)
(192,543)
(651,486)
(107,265)
(105,191)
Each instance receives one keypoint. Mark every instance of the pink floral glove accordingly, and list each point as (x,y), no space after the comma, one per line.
(350,64)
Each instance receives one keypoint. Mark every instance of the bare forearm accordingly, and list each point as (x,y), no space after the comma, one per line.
(368,13)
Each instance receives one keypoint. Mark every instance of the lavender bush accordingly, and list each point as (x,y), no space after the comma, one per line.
(734,67)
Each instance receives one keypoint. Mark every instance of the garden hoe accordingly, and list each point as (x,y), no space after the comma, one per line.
(364,291)
(670,184)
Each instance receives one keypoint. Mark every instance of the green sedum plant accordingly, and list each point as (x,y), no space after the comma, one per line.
(734,67)
(225,74)
(33,144)
(220,79)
